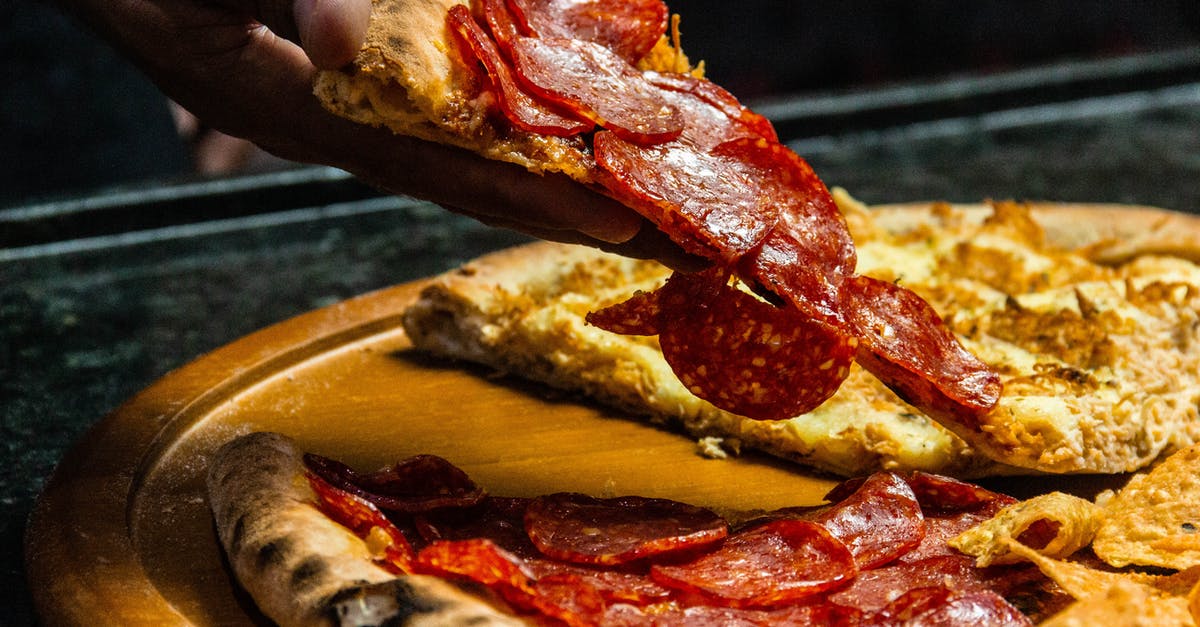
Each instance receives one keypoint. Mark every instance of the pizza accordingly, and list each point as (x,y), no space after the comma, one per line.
(1093,329)
(315,542)
(601,92)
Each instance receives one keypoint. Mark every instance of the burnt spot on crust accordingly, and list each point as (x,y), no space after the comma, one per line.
(238,535)
(390,603)
(273,553)
(308,572)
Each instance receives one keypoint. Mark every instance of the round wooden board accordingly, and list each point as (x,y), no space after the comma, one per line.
(122,534)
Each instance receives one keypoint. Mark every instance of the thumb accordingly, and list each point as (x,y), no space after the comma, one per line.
(331,31)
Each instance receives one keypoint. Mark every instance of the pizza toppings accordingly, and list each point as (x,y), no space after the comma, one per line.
(879,521)
(773,564)
(585,530)
(713,176)
(418,484)
(906,345)
(629,28)
(575,559)
(521,109)
(739,352)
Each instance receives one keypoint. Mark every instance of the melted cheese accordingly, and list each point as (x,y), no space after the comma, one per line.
(1101,364)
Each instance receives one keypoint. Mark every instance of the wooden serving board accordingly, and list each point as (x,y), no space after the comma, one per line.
(122,534)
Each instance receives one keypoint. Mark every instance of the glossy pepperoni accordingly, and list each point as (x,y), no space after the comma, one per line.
(501,24)
(808,253)
(590,81)
(521,109)
(746,355)
(711,204)
(417,484)
(586,530)
(732,114)
(570,601)
(614,585)
(947,606)
(906,345)
(878,522)
(640,314)
(773,564)
(364,520)
(874,589)
(942,493)
(629,28)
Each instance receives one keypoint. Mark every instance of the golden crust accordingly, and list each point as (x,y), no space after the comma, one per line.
(1113,386)
(300,567)
(408,77)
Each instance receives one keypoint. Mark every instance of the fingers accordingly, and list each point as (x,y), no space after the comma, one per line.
(331,31)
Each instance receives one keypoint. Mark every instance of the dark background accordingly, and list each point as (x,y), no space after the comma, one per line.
(141,264)
(74,117)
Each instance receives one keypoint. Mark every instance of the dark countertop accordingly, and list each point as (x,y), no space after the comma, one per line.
(87,322)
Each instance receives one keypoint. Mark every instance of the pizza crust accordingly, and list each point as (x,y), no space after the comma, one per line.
(300,567)
(521,311)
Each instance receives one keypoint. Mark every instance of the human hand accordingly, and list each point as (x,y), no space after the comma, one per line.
(246,68)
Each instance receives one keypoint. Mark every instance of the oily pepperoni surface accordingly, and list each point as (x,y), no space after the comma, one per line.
(418,484)
(592,82)
(746,355)
(707,202)
(363,518)
(906,345)
(629,28)
(521,109)
(946,605)
(809,252)
(586,530)
(879,522)
(725,107)
(772,564)
(640,314)
(872,590)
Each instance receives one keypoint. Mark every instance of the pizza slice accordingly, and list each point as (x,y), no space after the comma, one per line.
(1097,342)
(315,542)
(597,91)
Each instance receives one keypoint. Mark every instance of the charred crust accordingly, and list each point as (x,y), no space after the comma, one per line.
(272,553)
(388,604)
(238,534)
(309,570)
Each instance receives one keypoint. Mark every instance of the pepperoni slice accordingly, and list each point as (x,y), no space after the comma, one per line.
(712,204)
(879,522)
(499,519)
(718,100)
(809,251)
(521,109)
(773,564)
(873,589)
(586,530)
(942,493)
(906,345)
(615,586)
(417,484)
(746,355)
(639,315)
(944,605)
(592,82)
(364,520)
(815,613)
(502,24)
(629,28)
(564,598)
